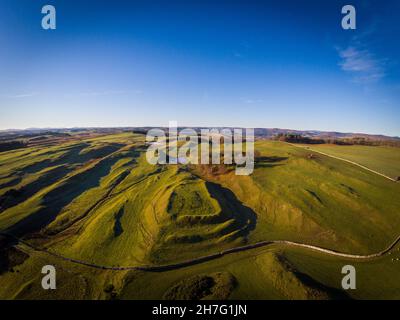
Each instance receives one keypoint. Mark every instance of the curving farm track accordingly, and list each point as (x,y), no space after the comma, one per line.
(198,260)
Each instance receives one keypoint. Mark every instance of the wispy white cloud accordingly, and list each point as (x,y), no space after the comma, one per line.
(19,95)
(362,64)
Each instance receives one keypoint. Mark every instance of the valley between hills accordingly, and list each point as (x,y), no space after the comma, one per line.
(117,227)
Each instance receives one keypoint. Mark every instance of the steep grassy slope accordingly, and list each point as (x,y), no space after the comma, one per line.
(316,200)
(109,206)
(36,195)
(100,201)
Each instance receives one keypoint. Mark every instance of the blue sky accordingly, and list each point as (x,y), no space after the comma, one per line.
(286,64)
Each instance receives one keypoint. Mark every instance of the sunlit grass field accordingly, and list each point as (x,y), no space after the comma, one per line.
(98,200)
(379,158)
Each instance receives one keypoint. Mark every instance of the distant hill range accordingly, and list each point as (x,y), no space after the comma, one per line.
(259,132)
(266,132)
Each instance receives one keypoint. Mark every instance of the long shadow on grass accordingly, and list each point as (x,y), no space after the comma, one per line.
(73,156)
(268,162)
(61,196)
(118,230)
(19,173)
(72,153)
(14,196)
(232,208)
(11,183)
(333,293)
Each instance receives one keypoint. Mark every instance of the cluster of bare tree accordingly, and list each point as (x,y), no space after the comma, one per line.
(298,138)
(364,142)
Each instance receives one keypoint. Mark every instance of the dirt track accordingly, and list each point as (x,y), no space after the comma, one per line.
(342,159)
(198,260)
(166,267)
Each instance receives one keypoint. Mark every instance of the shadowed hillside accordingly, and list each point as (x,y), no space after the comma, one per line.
(97,200)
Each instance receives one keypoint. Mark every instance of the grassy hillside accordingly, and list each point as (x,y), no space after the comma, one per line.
(380,158)
(316,199)
(266,273)
(98,200)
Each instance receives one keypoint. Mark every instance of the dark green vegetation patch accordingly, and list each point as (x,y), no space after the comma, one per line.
(217,285)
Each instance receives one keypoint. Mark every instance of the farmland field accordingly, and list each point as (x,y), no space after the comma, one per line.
(96,200)
(380,158)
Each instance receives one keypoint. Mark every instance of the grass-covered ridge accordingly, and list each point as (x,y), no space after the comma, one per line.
(96,199)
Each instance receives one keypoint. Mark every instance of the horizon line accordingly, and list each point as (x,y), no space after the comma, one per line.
(206,127)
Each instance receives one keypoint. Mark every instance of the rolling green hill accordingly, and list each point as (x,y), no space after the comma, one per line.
(98,200)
